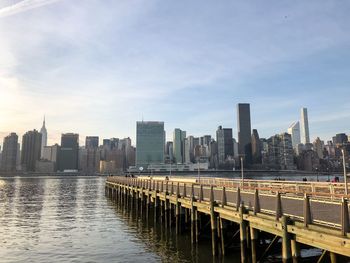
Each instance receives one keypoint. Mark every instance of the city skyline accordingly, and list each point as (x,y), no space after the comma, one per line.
(102,78)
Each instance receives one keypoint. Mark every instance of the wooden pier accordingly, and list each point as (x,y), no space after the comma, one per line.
(245,213)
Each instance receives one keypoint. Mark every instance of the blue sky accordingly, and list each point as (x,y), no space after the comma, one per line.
(96,67)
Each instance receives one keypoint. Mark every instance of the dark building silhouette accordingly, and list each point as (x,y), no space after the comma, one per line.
(31,150)
(9,153)
(244,132)
(69,152)
(256,147)
(340,138)
(91,142)
(224,144)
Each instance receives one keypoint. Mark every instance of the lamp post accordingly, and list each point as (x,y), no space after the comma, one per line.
(345,177)
(242,171)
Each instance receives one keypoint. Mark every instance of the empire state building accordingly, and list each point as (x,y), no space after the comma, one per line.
(43,132)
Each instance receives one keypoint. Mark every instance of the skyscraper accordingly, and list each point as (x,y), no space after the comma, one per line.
(178,145)
(91,142)
(31,150)
(149,143)
(256,149)
(224,144)
(294,131)
(244,131)
(304,126)
(9,153)
(69,152)
(43,132)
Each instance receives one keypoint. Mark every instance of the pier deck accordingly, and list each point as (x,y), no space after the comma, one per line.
(297,213)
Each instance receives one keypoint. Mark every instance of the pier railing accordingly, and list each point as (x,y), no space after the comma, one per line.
(278,199)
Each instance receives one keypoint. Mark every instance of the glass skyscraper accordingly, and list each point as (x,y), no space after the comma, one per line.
(244,132)
(150,142)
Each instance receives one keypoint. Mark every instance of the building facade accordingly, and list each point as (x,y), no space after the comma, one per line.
(69,152)
(31,150)
(224,144)
(244,132)
(294,131)
(43,132)
(149,143)
(305,134)
(9,153)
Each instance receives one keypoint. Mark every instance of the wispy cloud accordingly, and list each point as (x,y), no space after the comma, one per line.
(23,6)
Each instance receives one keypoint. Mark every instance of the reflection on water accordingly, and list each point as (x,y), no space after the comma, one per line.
(68,219)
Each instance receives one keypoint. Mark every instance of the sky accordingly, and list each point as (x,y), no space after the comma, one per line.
(96,67)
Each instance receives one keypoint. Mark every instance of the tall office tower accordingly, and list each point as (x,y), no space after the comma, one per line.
(294,131)
(305,126)
(91,142)
(31,150)
(256,149)
(149,143)
(9,153)
(340,138)
(69,152)
(224,144)
(187,156)
(178,144)
(90,156)
(280,152)
(169,151)
(319,147)
(244,132)
(43,132)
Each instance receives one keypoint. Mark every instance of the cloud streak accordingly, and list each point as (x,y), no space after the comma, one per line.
(23,6)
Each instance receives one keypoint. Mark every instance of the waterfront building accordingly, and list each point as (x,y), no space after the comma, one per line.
(235,148)
(187,150)
(178,145)
(43,132)
(45,166)
(340,139)
(214,160)
(256,149)
(169,151)
(224,144)
(305,126)
(294,131)
(9,153)
(69,152)
(91,142)
(280,152)
(31,150)
(244,132)
(319,147)
(149,143)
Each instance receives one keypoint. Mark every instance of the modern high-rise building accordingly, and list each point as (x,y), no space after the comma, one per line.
(9,153)
(69,152)
(224,144)
(178,145)
(244,132)
(43,132)
(305,135)
(319,147)
(294,131)
(31,150)
(256,149)
(280,153)
(91,142)
(149,143)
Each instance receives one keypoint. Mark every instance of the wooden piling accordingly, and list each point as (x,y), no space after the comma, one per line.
(213,221)
(253,243)
(286,243)
(295,250)
(243,236)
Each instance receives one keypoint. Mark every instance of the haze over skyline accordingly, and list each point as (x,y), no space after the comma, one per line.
(95,68)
